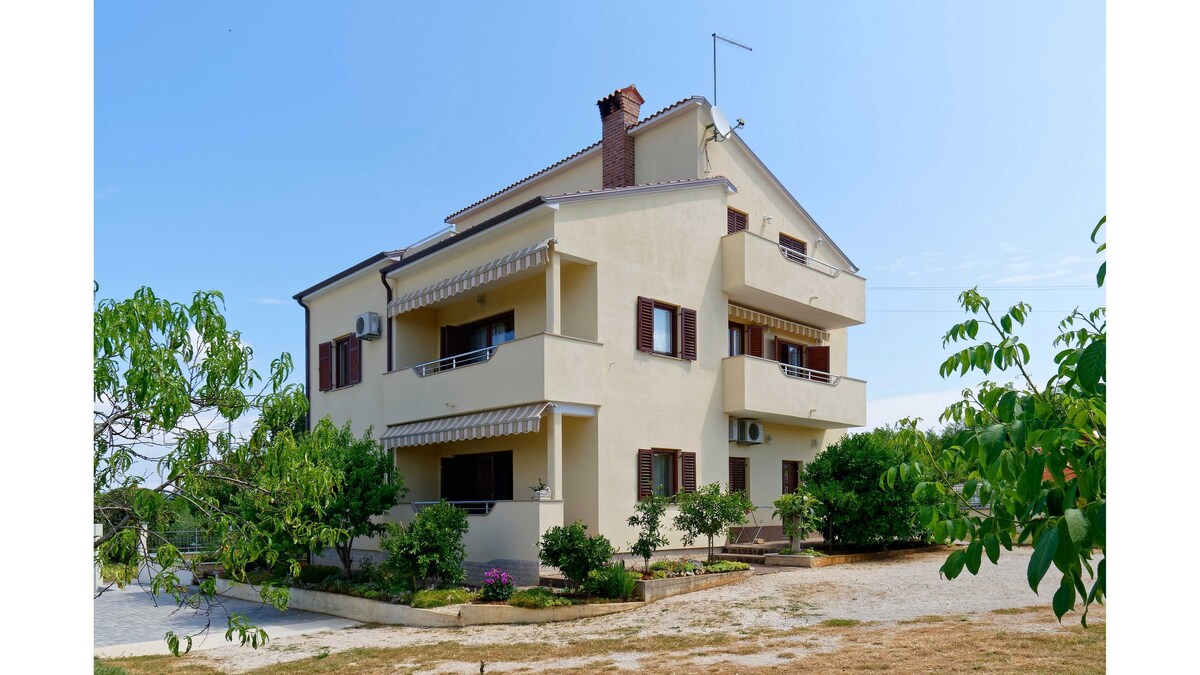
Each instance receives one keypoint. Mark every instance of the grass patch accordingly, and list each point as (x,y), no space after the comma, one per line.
(102,668)
(538,597)
(1019,610)
(840,623)
(441,598)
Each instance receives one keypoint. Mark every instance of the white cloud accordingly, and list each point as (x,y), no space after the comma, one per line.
(268,301)
(101,193)
(927,405)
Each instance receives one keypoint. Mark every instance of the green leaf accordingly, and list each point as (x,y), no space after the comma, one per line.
(1091,367)
(1043,555)
(1064,597)
(1006,408)
(1030,481)
(954,564)
(1077,525)
(991,545)
(1100,274)
(974,556)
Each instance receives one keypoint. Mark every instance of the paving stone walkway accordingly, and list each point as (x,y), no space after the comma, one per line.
(136,619)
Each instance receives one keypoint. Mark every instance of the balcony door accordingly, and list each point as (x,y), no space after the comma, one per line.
(477,335)
(482,477)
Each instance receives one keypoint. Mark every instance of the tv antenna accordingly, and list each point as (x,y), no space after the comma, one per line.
(735,43)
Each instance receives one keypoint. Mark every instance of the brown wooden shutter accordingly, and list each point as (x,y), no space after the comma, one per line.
(645,324)
(325,366)
(754,341)
(687,323)
(737,474)
(645,474)
(354,356)
(817,358)
(687,460)
(735,220)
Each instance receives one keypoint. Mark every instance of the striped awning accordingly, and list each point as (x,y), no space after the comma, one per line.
(777,323)
(524,419)
(514,262)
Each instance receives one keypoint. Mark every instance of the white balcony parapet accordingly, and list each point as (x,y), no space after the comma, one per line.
(473,508)
(818,376)
(456,361)
(809,261)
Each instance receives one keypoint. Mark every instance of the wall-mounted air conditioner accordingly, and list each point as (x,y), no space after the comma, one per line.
(750,432)
(367,326)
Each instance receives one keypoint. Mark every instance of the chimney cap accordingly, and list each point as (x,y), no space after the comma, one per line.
(629,92)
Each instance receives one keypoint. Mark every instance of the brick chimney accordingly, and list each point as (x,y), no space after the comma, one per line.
(619,111)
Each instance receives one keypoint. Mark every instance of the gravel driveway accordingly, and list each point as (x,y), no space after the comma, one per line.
(885,592)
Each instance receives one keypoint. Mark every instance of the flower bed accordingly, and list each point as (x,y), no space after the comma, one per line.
(813,558)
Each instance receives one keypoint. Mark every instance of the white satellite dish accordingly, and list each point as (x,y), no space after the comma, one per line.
(720,124)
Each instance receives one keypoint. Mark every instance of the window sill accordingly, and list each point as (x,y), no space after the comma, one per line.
(662,355)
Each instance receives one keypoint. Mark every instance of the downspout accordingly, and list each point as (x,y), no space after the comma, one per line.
(388,326)
(307,367)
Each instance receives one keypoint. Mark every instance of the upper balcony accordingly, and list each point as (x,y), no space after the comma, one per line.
(762,274)
(765,389)
(541,367)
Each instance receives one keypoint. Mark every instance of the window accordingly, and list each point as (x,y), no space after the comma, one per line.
(791,476)
(478,478)
(737,474)
(789,353)
(666,329)
(478,335)
(665,472)
(736,220)
(340,363)
(793,244)
(736,339)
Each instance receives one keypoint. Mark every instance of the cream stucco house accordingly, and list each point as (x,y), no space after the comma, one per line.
(652,313)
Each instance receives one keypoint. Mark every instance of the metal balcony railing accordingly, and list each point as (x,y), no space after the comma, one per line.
(456,361)
(802,259)
(810,374)
(473,508)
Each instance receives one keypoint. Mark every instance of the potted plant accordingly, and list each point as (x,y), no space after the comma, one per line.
(541,491)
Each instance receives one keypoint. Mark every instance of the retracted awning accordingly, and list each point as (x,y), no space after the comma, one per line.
(777,323)
(524,419)
(514,262)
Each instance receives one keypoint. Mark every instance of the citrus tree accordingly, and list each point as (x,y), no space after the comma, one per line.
(708,512)
(1033,455)
(168,377)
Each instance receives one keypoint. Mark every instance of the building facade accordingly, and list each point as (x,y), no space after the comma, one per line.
(653,313)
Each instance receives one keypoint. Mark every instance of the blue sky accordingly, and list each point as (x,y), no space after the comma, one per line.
(257,148)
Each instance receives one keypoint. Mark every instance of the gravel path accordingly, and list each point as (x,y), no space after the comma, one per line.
(884,592)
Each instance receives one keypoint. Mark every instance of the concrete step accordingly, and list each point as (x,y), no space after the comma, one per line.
(742,557)
(753,549)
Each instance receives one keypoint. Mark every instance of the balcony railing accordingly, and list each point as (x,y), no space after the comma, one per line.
(802,259)
(473,508)
(455,361)
(810,374)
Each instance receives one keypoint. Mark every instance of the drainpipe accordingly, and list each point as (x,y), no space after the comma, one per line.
(307,367)
(387,320)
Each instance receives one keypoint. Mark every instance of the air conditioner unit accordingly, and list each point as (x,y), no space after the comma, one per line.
(366,326)
(750,432)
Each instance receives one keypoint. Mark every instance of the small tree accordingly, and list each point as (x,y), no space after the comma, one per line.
(799,512)
(431,546)
(573,552)
(370,486)
(708,512)
(648,515)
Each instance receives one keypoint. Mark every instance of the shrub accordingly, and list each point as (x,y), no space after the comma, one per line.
(708,512)
(859,510)
(675,566)
(315,574)
(441,598)
(497,585)
(810,552)
(260,576)
(611,581)
(648,515)
(659,574)
(120,573)
(725,566)
(573,552)
(431,546)
(799,512)
(538,597)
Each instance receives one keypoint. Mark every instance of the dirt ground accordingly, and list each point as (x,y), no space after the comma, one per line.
(896,615)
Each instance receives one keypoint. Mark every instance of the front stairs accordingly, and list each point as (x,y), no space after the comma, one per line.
(752,554)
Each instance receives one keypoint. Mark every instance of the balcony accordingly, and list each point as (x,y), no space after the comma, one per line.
(776,392)
(541,367)
(762,274)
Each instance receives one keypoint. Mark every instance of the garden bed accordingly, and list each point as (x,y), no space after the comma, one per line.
(376,611)
(860,554)
(650,590)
